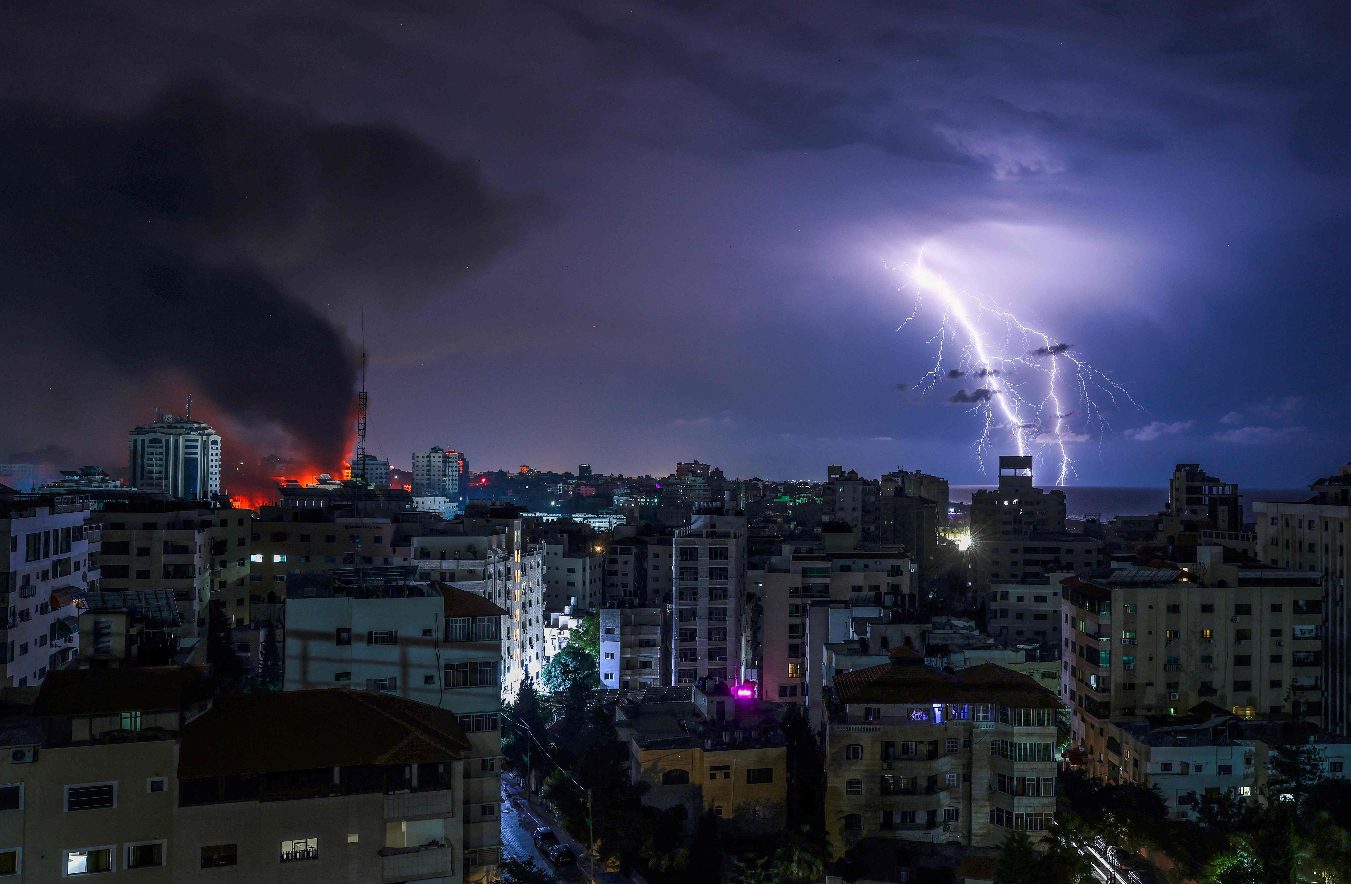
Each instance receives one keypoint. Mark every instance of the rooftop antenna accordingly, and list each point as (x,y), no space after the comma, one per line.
(187,414)
(359,453)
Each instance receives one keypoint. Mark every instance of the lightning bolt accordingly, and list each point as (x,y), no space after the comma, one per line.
(1010,369)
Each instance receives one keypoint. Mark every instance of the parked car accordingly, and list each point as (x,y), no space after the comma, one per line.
(544,839)
(561,855)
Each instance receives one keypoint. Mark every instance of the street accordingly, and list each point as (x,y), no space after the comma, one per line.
(521,815)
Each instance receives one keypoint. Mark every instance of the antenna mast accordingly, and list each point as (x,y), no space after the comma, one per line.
(359,453)
(187,415)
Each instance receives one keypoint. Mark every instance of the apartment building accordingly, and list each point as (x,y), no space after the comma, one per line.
(1315,537)
(49,560)
(574,571)
(136,774)
(198,551)
(638,570)
(1194,494)
(487,555)
(1155,641)
(138,627)
(792,582)
(703,749)
(1016,507)
(633,648)
(311,541)
(1029,558)
(709,576)
(917,754)
(1026,612)
(433,643)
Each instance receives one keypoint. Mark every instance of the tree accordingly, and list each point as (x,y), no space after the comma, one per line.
(800,861)
(524,730)
(1018,861)
(220,650)
(571,666)
(705,851)
(806,777)
(269,663)
(1293,770)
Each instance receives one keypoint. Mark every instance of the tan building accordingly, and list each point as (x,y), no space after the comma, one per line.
(638,571)
(917,754)
(792,582)
(1315,537)
(134,774)
(199,552)
(310,541)
(706,750)
(1157,641)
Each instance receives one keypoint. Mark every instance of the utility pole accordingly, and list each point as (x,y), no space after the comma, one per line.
(590,839)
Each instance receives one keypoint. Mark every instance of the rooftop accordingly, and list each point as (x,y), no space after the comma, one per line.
(907,680)
(124,689)
(303,730)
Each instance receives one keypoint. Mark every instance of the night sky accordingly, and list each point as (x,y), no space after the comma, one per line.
(635,233)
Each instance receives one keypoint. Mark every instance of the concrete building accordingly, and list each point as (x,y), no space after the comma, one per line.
(197,551)
(433,643)
(48,561)
(312,541)
(1029,558)
(1149,641)
(706,750)
(1315,537)
(709,578)
(638,570)
(634,648)
(137,627)
(791,583)
(1026,612)
(135,773)
(917,754)
(179,457)
(372,470)
(574,570)
(849,498)
(1016,507)
(441,472)
(484,552)
(1195,494)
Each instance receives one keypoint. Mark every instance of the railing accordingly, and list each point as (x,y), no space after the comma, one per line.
(432,860)
(291,856)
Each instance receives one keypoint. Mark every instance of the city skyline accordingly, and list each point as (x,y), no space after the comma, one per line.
(679,232)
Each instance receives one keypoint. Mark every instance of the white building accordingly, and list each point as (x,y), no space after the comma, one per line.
(438,473)
(709,575)
(573,578)
(45,567)
(370,469)
(178,456)
(631,642)
(1026,612)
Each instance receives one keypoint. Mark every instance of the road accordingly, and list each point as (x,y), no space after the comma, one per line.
(1113,866)
(521,815)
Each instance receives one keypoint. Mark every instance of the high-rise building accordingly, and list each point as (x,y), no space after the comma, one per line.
(1157,641)
(177,456)
(1195,494)
(914,753)
(372,470)
(631,648)
(1315,537)
(851,499)
(1016,507)
(47,563)
(709,576)
(439,473)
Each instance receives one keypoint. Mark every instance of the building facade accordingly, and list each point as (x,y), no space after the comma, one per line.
(709,579)
(439,473)
(633,644)
(176,456)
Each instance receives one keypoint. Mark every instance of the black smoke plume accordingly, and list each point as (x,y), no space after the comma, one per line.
(199,240)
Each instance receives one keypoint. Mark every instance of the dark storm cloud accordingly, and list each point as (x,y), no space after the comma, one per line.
(1052,350)
(980,394)
(986,373)
(172,242)
(954,373)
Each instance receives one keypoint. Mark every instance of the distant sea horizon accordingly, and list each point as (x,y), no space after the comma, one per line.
(1111,501)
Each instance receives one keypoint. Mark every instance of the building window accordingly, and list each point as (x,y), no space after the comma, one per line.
(853,787)
(757,775)
(1336,766)
(952,745)
(145,856)
(89,862)
(342,676)
(853,752)
(218,855)
(9,861)
(853,822)
(675,778)
(91,796)
(298,849)
(131,721)
(342,635)
(11,796)
(156,784)
(382,637)
(951,814)
(487,811)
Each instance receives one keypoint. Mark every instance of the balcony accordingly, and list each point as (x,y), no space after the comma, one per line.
(411,805)
(415,863)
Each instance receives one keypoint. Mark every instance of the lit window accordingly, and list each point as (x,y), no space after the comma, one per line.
(297,849)
(353,838)
(131,721)
(89,862)
(256,557)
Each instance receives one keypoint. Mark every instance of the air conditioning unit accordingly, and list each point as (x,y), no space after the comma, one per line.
(1172,695)
(1233,619)
(24,755)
